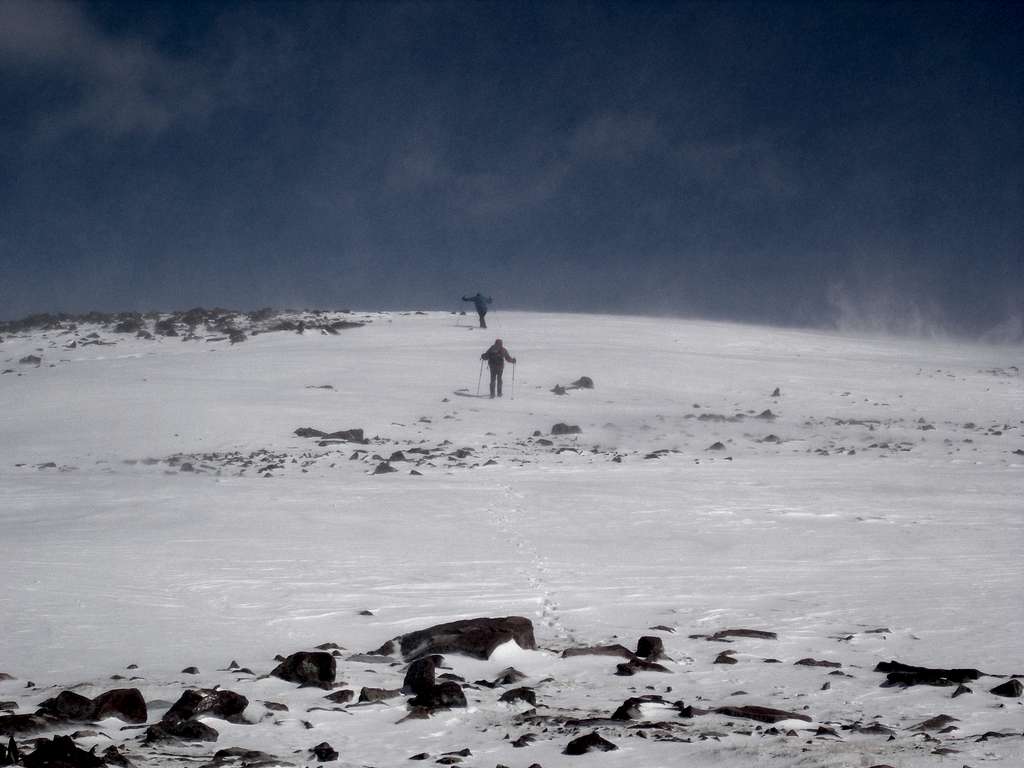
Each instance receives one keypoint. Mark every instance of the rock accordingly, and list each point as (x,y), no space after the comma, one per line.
(383,468)
(600,650)
(60,752)
(18,724)
(650,647)
(111,756)
(473,637)
(309,432)
(754,633)
(354,435)
(509,676)
(904,674)
(725,657)
(565,429)
(1011,689)
(592,742)
(371,695)
(630,708)
(816,663)
(186,467)
(235,336)
(31,360)
(67,705)
(584,382)
(307,668)
(443,696)
(960,691)
(227,705)
(527,695)
(776,393)
(343,696)
(633,666)
(324,752)
(186,730)
(126,704)
(761,714)
(716,447)
(524,741)
(559,390)
(933,723)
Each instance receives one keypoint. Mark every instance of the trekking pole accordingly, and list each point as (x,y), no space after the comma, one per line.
(513,382)
(480,378)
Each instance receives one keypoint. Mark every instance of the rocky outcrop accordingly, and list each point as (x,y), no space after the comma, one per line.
(316,668)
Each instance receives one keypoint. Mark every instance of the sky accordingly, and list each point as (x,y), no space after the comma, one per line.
(809,163)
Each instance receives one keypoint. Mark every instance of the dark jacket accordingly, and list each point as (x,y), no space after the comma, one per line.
(479,301)
(496,356)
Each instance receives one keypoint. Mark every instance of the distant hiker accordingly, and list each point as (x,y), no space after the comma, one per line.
(480,302)
(496,357)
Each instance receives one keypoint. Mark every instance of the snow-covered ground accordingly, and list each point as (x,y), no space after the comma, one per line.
(885,489)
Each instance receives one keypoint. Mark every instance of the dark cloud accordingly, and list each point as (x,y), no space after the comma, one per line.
(852,163)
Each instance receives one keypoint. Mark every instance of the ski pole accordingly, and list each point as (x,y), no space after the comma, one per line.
(513,382)
(480,378)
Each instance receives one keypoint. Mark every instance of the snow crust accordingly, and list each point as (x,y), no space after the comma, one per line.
(892,499)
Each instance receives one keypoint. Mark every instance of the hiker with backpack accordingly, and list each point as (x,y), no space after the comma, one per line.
(496,356)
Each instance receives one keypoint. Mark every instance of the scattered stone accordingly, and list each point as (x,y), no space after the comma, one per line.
(960,691)
(584,382)
(725,657)
(766,414)
(509,676)
(1010,689)
(524,741)
(762,714)
(344,696)
(776,393)
(442,696)
(816,663)
(189,670)
(383,468)
(324,752)
(187,730)
(226,705)
(633,666)
(906,675)
(600,650)
(31,360)
(474,637)
(527,695)
(308,668)
(630,708)
(716,446)
(372,695)
(933,723)
(592,742)
(565,429)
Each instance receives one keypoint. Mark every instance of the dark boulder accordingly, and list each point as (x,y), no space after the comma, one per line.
(419,677)
(565,429)
(907,675)
(370,695)
(67,705)
(630,708)
(524,694)
(383,468)
(1011,689)
(324,752)
(816,663)
(600,650)
(443,696)
(592,742)
(724,634)
(650,648)
(344,696)
(584,382)
(31,360)
(633,666)
(725,657)
(309,432)
(227,705)
(307,668)
(186,730)
(351,435)
(17,724)
(474,637)
(61,752)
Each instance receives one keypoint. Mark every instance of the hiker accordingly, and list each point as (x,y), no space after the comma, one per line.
(480,302)
(496,357)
